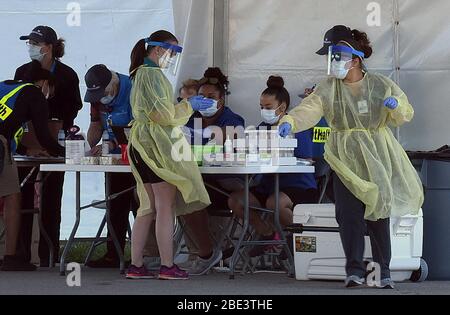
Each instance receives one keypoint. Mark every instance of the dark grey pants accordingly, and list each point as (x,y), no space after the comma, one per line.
(353,227)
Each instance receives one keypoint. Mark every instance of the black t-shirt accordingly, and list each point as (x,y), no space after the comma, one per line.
(31,105)
(66,102)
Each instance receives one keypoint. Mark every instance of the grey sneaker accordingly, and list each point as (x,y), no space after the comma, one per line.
(387,284)
(187,264)
(354,281)
(201,266)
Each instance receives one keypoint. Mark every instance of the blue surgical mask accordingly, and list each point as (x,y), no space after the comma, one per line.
(210,111)
(106,100)
(35,53)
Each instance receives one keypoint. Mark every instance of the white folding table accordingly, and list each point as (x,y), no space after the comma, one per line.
(245,171)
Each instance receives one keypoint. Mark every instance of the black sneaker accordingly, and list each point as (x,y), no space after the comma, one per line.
(354,282)
(15,263)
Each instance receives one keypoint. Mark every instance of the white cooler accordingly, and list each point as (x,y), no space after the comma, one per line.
(320,256)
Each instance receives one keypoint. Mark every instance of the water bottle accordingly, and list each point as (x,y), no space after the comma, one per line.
(228,146)
(105,143)
(61,138)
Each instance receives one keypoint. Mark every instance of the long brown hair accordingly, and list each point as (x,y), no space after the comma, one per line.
(139,51)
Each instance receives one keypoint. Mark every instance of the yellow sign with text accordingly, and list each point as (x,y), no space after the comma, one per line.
(321,134)
(5,111)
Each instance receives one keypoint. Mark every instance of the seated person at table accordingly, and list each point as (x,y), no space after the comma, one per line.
(109,95)
(294,188)
(214,85)
(21,102)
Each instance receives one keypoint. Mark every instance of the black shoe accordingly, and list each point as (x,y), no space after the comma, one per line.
(15,263)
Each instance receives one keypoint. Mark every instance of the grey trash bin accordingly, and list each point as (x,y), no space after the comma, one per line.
(435,176)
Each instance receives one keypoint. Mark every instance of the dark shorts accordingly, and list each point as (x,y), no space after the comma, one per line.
(146,174)
(297,195)
(9,178)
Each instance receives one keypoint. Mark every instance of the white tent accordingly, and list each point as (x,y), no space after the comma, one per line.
(252,39)
(411,41)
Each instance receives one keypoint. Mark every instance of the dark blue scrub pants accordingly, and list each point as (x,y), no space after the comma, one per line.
(353,228)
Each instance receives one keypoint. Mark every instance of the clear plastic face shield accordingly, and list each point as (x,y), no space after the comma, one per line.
(170,60)
(339,58)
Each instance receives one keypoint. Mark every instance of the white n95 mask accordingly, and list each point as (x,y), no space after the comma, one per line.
(35,53)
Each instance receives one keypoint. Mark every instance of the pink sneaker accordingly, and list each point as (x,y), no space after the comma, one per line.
(173,273)
(136,273)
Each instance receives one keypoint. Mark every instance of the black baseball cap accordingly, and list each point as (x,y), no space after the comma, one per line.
(97,79)
(333,36)
(42,34)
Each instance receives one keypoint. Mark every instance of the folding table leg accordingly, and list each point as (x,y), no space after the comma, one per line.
(42,177)
(238,246)
(67,248)
(109,223)
(278,225)
(95,242)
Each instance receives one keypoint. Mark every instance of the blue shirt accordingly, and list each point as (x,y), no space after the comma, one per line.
(304,150)
(118,112)
(227,119)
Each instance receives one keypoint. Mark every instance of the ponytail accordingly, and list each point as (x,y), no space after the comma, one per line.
(363,41)
(59,49)
(137,56)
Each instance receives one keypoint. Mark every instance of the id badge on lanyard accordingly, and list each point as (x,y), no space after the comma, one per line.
(363,107)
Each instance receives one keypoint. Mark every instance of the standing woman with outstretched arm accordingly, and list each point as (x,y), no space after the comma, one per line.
(167,183)
(374,178)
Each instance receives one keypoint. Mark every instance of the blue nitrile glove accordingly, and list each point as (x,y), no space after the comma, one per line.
(200,103)
(391,103)
(285,129)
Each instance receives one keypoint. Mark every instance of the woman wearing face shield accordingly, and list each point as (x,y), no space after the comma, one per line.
(294,188)
(167,176)
(374,178)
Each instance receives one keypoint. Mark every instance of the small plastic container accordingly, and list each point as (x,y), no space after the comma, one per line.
(124,151)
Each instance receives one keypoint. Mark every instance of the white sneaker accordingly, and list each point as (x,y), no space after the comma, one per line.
(201,266)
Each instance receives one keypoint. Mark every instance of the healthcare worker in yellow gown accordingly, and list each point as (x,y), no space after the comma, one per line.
(374,179)
(167,176)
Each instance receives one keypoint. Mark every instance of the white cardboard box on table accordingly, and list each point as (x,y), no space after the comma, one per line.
(320,256)
(75,151)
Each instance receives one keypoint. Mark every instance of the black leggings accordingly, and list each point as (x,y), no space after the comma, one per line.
(146,174)
(353,228)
